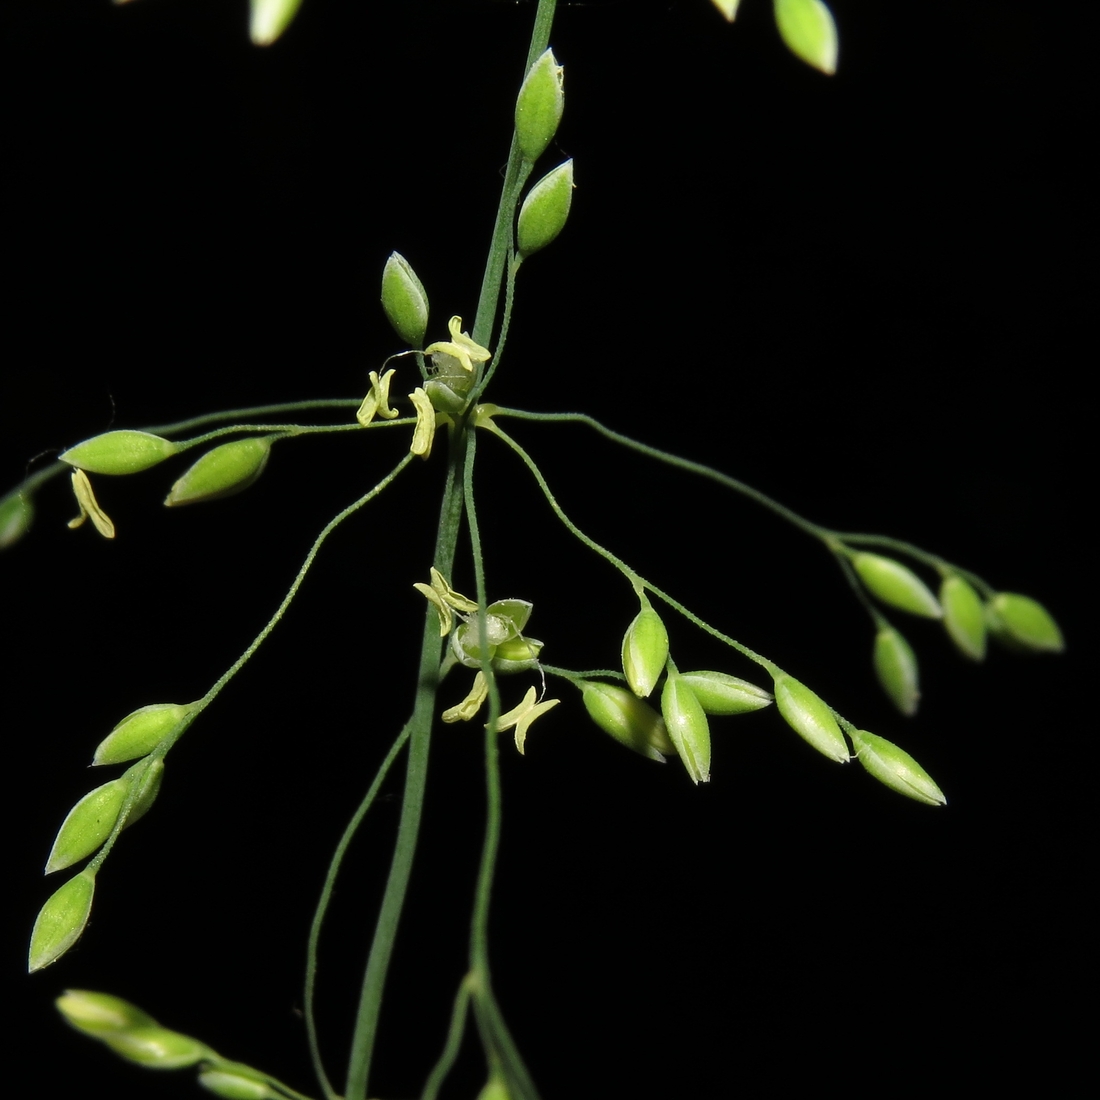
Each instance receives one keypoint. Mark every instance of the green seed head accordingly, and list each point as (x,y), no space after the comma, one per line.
(896,585)
(228,469)
(545,210)
(963,616)
(99,1014)
(810,717)
(687,726)
(896,769)
(157,1047)
(539,106)
(645,651)
(121,452)
(719,693)
(405,300)
(16,514)
(141,731)
(61,920)
(897,671)
(1023,624)
(626,718)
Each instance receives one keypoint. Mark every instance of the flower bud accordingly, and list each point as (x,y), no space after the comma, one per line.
(236,1084)
(121,452)
(225,470)
(896,769)
(157,1047)
(269,18)
(897,671)
(687,727)
(405,300)
(504,620)
(141,731)
(808,29)
(963,616)
(625,717)
(719,693)
(1023,624)
(545,210)
(88,824)
(728,8)
(16,513)
(61,920)
(99,1014)
(645,651)
(810,717)
(896,585)
(539,106)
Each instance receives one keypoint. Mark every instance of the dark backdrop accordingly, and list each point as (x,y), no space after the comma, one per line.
(864,295)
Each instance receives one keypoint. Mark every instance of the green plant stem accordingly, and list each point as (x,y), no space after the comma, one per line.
(500,1048)
(322,910)
(803,524)
(635,578)
(453,1044)
(32,481)
(289,431)
(412,805)
(198,707)
(836,541)
(589,674)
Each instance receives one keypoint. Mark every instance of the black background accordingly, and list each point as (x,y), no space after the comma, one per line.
(865,295)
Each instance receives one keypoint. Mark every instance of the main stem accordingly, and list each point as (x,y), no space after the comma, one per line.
(412,806)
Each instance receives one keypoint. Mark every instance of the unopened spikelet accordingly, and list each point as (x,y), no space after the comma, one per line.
(810,717)
(495,1089)
(87,825)
(119,452)
(897,670)
(100,1014)
(61,921)
(141,731)
(687,726)
(405,300)
(720,693)
(157,1047)
(539,106)
(627,718)
(896,584)
(645,651)
(269,18)
(236,1084)
(896,769)
(90,822)
(545,210)
(963,616)
(808,29)
(228,469)
(16,514)
(1023,624)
